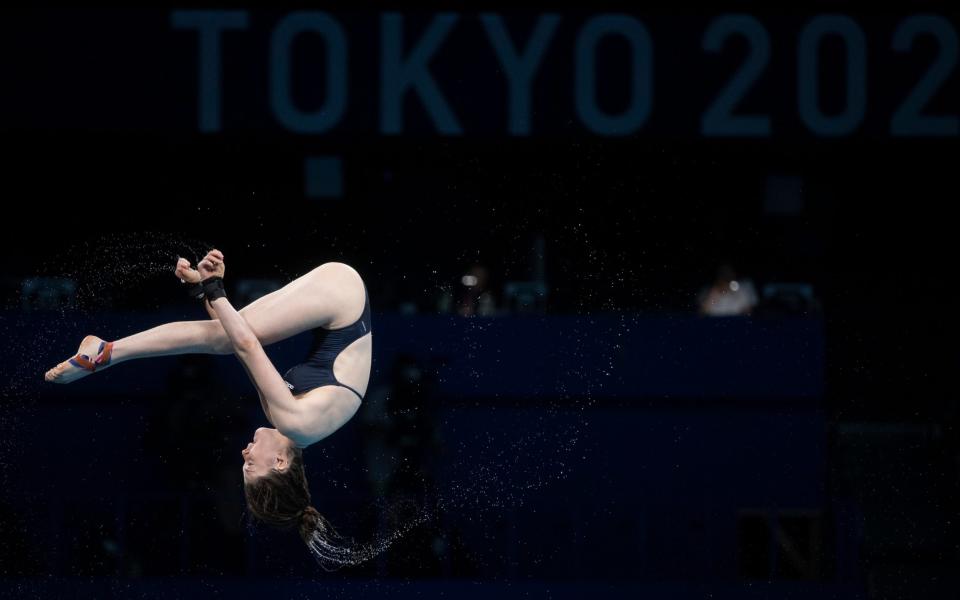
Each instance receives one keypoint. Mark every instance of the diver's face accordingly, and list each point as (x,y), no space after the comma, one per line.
(267,451)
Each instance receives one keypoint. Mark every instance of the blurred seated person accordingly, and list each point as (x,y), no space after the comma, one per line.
(473,297)
(728,295)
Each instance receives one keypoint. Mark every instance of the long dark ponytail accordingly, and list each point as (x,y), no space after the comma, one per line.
(282,499)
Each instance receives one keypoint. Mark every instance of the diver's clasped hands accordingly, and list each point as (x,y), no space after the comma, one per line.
(211,266)
(207,279)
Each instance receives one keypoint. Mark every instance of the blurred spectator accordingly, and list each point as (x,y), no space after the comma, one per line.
(48,293)
(788,299)
(473,294)
(400,430)
(728,295)
(401,443)
(529,296)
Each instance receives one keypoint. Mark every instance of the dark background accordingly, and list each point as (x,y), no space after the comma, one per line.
(607,440)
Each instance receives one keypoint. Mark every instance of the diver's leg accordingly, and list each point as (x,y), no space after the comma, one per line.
(330,295)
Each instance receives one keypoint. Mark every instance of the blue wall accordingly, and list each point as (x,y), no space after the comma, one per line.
(625,355)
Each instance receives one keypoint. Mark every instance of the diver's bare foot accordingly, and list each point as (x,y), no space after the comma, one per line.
(93,354)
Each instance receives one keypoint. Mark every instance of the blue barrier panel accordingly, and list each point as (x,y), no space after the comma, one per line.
(608,356)
(322,587)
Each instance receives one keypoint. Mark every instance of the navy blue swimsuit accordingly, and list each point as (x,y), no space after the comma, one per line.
(317,370)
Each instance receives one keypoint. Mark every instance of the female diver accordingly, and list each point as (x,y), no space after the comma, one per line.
(308,403)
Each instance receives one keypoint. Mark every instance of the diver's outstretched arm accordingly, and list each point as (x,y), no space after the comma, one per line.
(279,405)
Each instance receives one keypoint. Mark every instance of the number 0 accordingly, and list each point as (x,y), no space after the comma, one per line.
(809,75)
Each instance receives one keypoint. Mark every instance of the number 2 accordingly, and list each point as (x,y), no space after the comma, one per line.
(907,120)
(719,118)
